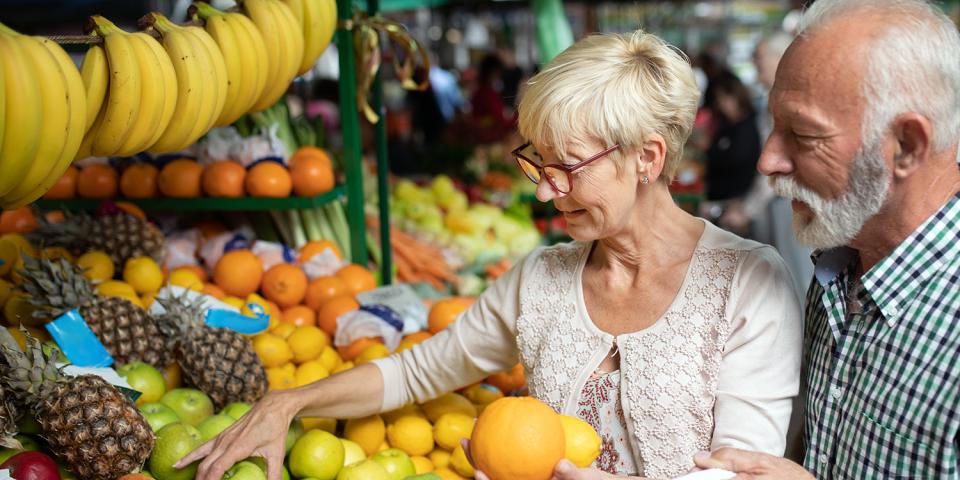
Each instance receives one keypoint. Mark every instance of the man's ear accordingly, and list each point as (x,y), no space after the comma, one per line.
(914,135)
(653,155)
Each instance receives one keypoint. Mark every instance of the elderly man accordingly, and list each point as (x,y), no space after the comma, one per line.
(867,118)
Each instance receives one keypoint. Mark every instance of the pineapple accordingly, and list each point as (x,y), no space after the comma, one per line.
(127,331)
(218,361)
(96,431)
(9,414)
(121,235)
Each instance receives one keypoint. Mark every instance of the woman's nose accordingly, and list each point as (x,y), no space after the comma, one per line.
(545,191)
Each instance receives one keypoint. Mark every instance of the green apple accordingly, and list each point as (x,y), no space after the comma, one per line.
(262,463)
(145,379)
(293,434)
(365,470)
(396,462)
(352,452)
(210,427)
(192,406)
(236,409)
(28,443)
(158,415)
(174,442)
(245,471)
(317,454)
(424,476)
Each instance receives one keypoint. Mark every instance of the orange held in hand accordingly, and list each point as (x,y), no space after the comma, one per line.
(224,179)
(269,179)
(517,438)
(180,179)
(238,273)
(139,181)
(284,284)
(97,181)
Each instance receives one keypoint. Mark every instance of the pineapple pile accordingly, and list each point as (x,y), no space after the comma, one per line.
(9,414)
(88,424)
(129,333)
(122,235)
(217,361)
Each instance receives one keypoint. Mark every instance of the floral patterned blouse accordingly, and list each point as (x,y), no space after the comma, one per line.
(600,407)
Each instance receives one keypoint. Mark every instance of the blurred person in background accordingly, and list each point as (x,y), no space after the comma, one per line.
(489,119)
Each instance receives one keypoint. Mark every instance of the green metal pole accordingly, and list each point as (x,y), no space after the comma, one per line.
(383,190)
(350,124)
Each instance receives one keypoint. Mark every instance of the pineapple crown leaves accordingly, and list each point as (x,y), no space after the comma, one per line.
(32,375)
(181,314)
(54,285)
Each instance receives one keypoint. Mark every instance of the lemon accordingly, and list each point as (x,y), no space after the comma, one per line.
(279,378)
(96,265)
(582,441)
(9,255)
(421,464)
(343,367)
(330,358)
(447,474)
(482,393)
(290,368)
(460,464)
(326,424)
(116,288)
(310,372)
(307,343)
(412,434)
(272,350)
(283,330)
(440,458)
(233,302)
(408,409)
(449,403)
(371,353)
(368,432)
(186,278)
(143,274)
(450,428)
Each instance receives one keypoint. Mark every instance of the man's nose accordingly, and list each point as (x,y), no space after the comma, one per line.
(774,159)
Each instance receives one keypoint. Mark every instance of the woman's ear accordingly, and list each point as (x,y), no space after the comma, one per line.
(653,155)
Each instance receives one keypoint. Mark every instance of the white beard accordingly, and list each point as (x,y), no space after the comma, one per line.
(838,221)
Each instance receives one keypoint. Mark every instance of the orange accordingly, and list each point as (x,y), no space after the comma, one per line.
(214,291)
(317,246)
(97,181)
(180,179)
(132,210)
(66,186)
(354,350)
(322,289)
(517,438)
(300,315)
(269,179)
(417,337)
(139,181)
(445,312)
(509,381)
(20,220)
(199,271)
(311,154)
(333,309)
(274,310)
(238,273)
(311,176)
(55,216)
(224,179)
(359,279)
(284,284)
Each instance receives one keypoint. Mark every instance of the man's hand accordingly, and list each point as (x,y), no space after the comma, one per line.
(752,465)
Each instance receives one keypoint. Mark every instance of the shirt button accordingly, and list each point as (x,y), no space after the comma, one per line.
(823,458)
(836,392)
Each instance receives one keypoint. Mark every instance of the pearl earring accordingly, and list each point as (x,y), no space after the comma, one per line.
(645,180)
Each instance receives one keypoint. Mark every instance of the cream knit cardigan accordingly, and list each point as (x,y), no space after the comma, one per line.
(719,368)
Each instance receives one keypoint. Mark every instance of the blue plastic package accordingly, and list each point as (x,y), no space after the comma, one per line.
(78,342)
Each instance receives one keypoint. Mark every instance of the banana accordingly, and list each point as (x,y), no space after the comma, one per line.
(152,97)
(318,19)
(221,76)
(94,72)
(252,43)
(76,117)
(294,35)
(169,76)
(23,113)
(194,86)
(122,105)
(278,35)
(215,79)
(3,105)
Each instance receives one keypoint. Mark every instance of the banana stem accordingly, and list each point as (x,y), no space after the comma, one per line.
(203,10)
(100,25)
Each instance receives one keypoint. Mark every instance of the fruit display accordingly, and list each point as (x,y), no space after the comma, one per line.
(122,235)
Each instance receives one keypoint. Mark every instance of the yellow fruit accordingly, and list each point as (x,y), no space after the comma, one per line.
(447,474)
(460,464)
(96,266)
(449,403)
(320,423)
(256,300)
(383,446)
(290,368)
(582,441)
(483,394)
(22,339)
(18,310)
(6,290)
(148,298)
(368,432)
(9,256)
(408,409)
(440,458)
(371,353)
(143,274)
(519,438)
(280,378)
(421,464)
(310,372)
(343,367)
(116,288)
(233,302)
(186,278)
(283,330)
(450,428)
(330,359)
(412,434)
(272,350)
(307,343)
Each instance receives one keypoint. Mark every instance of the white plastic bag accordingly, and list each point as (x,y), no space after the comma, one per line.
(323,264)
(182,249)
(369,321)
(272,253)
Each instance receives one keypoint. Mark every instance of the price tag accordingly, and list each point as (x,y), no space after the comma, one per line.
(78,342)
(401,299)
(108,374)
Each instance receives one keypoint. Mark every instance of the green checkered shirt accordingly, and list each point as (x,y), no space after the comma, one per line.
(882,359)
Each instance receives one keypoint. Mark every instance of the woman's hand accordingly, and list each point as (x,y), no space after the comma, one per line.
(752,465)
(262,432)
(565,469)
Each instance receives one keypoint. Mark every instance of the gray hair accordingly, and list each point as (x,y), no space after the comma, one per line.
(913,65)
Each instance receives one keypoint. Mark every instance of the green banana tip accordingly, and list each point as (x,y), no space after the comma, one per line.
(7,30)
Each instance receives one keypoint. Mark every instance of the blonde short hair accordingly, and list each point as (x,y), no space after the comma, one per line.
(613,88)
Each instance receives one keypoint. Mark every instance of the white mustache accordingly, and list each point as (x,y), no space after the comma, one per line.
(788,188)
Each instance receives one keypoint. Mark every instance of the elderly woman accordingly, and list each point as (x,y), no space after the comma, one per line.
(667,334)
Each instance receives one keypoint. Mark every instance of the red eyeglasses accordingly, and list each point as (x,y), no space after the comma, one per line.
(558,175)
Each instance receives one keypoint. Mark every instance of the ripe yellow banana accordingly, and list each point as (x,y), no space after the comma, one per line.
(281,35)
(221,77)
(318,19)
(94,72)
(294,35)
(3,105)
(152,97)
(169,77)
(195,94)
(23,113)
(75,102)
(122,105)
(257,64)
